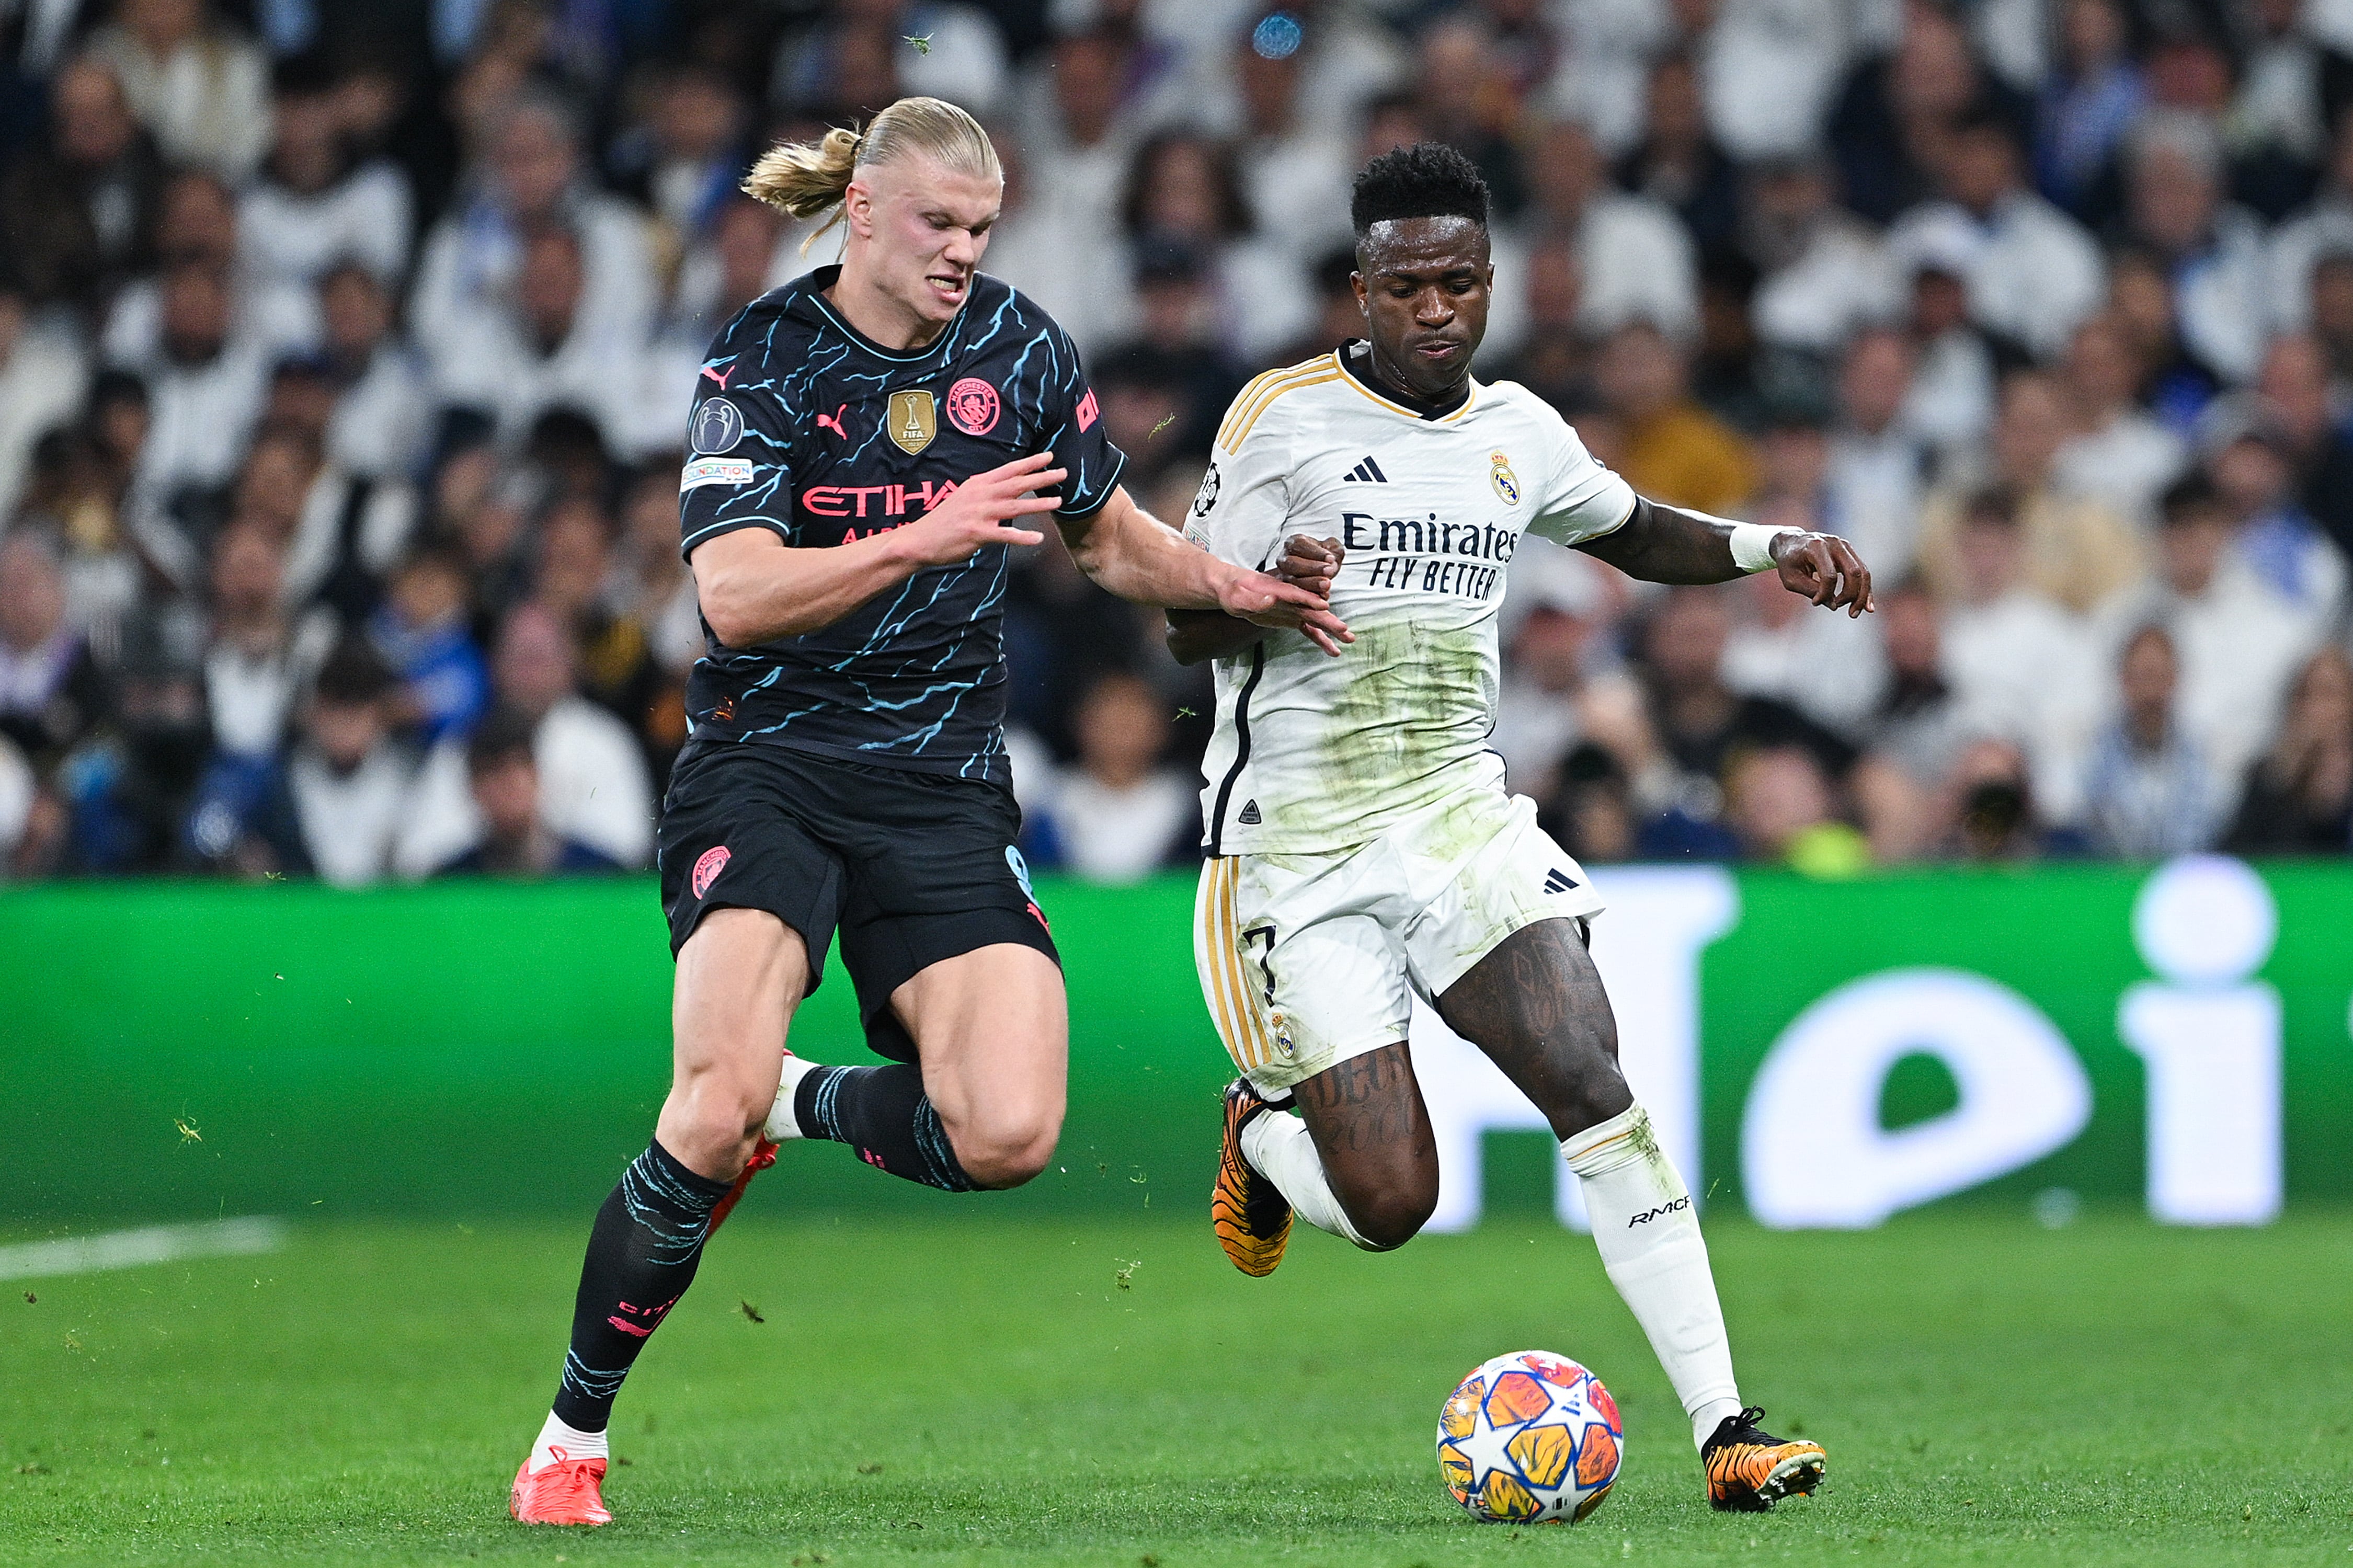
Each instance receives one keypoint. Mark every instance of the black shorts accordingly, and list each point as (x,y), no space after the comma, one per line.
(912,867)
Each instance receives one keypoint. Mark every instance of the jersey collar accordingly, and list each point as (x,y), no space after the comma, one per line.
(812,287)
(1351,365)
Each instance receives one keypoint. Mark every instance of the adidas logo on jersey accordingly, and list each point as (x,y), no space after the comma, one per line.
(1368,472)
(1249,817)
(1558,882)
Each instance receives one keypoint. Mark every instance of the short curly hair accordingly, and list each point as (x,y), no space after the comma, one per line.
(1427,179)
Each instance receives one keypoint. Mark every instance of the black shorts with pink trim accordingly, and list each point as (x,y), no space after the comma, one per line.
(910,868)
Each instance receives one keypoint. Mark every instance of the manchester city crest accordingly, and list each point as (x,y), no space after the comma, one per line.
(1499,475)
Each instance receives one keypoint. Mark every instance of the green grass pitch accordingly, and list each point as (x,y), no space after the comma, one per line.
(965,1389)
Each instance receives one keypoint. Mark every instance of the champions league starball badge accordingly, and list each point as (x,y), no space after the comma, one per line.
(718,425)
(1206,495)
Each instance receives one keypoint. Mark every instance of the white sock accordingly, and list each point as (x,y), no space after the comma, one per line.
(1651,1245)
(783,1125)
(557,1441)
(1278,1148)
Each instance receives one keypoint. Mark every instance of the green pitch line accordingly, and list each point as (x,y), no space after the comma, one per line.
(987,1391)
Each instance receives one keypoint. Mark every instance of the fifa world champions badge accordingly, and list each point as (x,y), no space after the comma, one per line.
(912,420)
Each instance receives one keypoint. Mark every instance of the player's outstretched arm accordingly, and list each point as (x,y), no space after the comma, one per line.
(1195,635)
(1130,552)
(1665,544)
(756,588)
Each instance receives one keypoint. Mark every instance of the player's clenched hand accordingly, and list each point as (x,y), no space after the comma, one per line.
(1825,569)
(976,514)
(1270,601)
(1310,564)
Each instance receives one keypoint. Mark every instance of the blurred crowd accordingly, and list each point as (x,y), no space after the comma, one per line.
(346,345)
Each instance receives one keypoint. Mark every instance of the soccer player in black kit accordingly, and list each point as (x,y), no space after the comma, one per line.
(864,443)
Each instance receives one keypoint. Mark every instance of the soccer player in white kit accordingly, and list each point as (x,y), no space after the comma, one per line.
(1362,848)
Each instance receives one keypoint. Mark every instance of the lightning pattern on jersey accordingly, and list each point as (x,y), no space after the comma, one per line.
(844,439)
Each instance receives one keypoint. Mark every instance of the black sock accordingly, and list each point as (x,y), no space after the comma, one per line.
(642,1257)
(884,1114)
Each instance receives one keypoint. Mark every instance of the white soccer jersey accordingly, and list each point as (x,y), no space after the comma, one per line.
(1315,753)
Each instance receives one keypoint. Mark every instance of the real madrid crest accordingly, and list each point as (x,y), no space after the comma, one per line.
(912,420)
(1499,474)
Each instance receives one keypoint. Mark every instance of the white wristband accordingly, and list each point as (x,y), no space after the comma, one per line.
(1752,545)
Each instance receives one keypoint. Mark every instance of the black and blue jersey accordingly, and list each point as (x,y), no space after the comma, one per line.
(805,427)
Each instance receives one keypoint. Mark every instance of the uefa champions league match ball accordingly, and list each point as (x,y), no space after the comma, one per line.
(1529,1438)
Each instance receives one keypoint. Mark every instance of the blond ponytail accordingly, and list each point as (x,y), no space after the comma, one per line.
(804,178)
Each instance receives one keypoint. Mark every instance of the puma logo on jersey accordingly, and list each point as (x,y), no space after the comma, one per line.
(833,421)
(1558,882)
(1676,1206)
(1249,817)
(1368,472)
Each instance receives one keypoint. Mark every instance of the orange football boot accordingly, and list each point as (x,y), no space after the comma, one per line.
(1251,1217)
(1749,1470)
(564,1492)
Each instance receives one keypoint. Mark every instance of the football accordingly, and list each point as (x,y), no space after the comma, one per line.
(1529,1438)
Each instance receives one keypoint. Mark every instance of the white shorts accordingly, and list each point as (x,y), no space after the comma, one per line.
(1308,960)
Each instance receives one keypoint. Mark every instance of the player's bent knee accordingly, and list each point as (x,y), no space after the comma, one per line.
(1594,1096)
(1388,1218)
(716,1117)
(998,1163)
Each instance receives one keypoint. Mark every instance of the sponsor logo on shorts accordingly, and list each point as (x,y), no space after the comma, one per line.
(706,869)
(718,425)
(972,406)
(1020,870)
(714,471)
